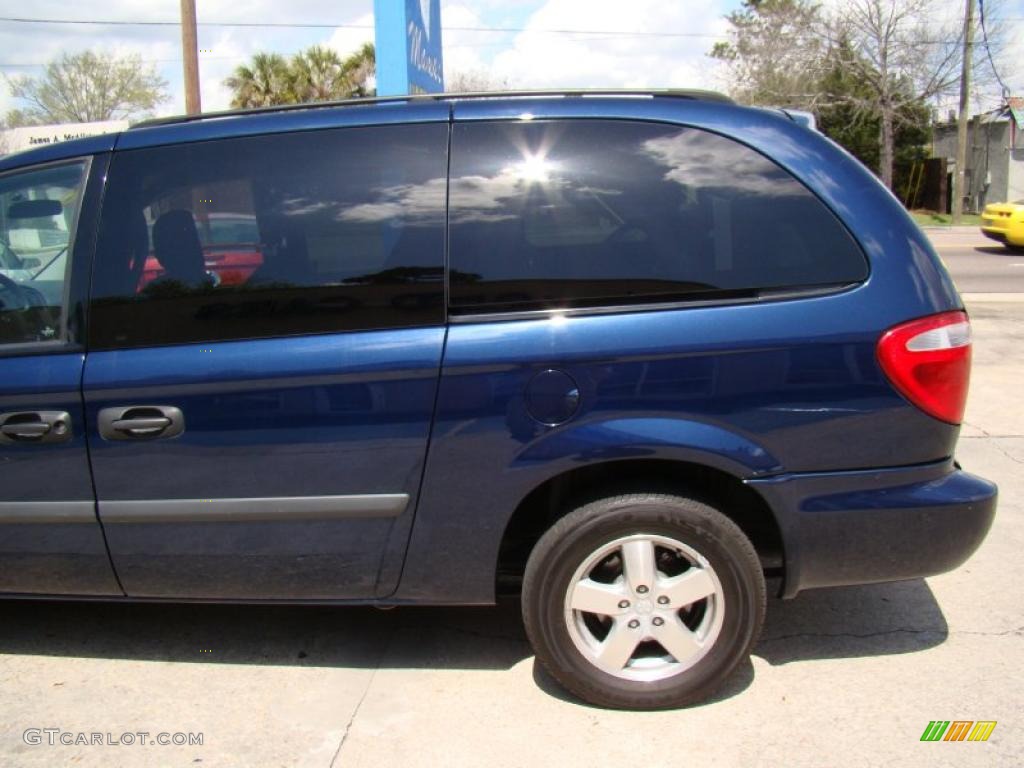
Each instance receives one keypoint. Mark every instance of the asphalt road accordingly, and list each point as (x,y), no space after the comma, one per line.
(977,264)
(840,677)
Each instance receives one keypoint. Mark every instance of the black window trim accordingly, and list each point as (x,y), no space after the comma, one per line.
(651,303)
(68,341)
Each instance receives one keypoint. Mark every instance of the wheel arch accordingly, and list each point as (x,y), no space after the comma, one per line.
(561,493)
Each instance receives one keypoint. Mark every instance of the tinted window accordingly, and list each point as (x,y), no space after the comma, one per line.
(272,235)
(226,229)
(38,211)
(563,213)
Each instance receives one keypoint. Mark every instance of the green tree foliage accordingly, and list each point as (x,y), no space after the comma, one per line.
(359,68)
(264,82)
(85,87)
(316,74)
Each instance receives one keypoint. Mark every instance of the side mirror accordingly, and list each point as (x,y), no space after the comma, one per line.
(30,263)
(34,209)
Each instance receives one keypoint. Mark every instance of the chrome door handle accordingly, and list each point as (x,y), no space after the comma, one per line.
(140,422)
(35,427)
(141,426)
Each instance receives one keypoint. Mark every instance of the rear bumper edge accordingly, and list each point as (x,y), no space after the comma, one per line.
(863,527)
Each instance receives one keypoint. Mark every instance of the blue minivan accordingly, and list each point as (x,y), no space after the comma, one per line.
(628,355)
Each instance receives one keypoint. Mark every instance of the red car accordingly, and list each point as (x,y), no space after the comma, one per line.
(231,249)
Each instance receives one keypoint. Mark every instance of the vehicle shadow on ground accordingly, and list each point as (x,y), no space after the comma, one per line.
(873,620)
(997,250)
(857,621)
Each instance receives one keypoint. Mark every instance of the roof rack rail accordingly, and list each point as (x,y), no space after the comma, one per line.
(697,95)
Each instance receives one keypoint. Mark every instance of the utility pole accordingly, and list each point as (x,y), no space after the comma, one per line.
(190,55)
(961,123)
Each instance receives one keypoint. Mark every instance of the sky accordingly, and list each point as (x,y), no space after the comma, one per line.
(614,47)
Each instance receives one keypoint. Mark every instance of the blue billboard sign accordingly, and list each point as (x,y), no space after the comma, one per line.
(408,43)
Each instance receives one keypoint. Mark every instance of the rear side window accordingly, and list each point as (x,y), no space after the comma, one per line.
(575,213)
(38,214)
(272,236)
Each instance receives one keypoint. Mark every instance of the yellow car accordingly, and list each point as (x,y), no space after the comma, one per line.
(1004,222)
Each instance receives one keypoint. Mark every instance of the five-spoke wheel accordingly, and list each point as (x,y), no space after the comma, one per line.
(644,607)
(643,601)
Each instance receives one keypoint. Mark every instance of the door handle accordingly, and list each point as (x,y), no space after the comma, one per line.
(28,430)
(142,426)
(23,427)
(140,422)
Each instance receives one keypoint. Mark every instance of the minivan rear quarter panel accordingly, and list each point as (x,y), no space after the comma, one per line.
(771,386)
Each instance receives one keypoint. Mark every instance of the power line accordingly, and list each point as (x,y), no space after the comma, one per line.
(326,25)
(238,57)
(988,50)
(323,25)
(12,65)
(580,34)
(126,23)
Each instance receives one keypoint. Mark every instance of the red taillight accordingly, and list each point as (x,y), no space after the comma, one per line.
(929,362)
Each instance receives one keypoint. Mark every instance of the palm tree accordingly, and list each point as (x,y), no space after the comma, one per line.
(319,74)
(316,74)
(358,69)
(264,83)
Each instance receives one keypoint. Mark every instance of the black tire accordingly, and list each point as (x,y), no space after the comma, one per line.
(567,545)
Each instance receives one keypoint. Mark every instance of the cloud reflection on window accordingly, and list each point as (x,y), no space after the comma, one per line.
(701,160)
(690,158)
(473,198)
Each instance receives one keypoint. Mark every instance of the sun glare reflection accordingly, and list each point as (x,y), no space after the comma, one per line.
(534,168)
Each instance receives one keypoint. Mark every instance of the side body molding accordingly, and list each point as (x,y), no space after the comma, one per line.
(363,505)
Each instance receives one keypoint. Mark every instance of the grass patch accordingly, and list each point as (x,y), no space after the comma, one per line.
(932,219)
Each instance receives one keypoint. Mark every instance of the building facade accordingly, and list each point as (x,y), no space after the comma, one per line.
(29,137)
(995,158)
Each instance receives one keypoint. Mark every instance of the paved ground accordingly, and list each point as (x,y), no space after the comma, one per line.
(977,264)
(841,677)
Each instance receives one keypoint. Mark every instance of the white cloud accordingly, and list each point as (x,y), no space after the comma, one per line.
(226,53)
(540,59)
(345,40)
(463,51)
